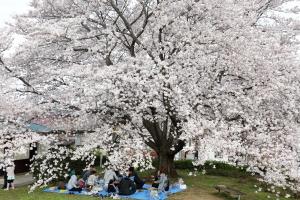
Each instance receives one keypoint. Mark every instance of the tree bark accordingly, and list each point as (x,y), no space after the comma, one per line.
(166,164)
(165,145)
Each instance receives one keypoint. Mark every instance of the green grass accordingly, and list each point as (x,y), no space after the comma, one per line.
(244,184)
(198,183)
(22,194)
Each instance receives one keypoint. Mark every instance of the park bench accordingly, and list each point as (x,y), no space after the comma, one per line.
(229,191)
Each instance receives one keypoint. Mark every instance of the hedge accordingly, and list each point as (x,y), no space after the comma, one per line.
(184,164)
(216,168)
(213,168)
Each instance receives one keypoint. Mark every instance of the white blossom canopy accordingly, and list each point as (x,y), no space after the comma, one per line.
(165,72)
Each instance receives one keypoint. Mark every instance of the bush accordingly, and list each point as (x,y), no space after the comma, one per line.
(59,160)
(179,164)
(155,163)
(78,166)
(216,168)
(97,160)
(184,164)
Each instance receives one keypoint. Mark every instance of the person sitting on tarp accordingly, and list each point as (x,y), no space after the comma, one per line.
(87,173)
(156,179)
(73,184)
(112,187)
(119,175)
(161,182)
(90,183)
(134,176)
(126,186)
(109,178)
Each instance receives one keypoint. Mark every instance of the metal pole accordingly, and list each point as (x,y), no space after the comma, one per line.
(101,157)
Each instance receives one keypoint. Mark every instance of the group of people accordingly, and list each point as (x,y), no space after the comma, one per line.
(125,184)
(114,182)
(88,181)
(9,177)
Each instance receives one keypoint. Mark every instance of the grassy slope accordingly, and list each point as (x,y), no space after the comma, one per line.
(196,187)
(245,185)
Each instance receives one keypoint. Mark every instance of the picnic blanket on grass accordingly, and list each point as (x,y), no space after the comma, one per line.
(138,195)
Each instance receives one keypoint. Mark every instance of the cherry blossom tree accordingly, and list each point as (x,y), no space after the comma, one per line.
(160,73)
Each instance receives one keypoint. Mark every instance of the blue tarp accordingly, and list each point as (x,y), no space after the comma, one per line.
(139,195)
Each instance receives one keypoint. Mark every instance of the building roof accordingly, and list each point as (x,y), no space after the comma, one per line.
(39,128)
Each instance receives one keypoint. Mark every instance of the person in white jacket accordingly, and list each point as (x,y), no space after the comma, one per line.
(109,174)
(91,180)
(73,184)
(10,170)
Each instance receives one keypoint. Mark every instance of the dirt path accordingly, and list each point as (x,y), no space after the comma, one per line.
(195,194)
(21,180)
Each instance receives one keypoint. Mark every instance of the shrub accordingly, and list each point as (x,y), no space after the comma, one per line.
(155,163)
(184,164)
(223,169)
(58,162)
(97,160)
(179,164)
(216,168)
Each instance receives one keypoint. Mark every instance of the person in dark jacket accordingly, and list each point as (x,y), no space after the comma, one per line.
(4,172)
(155,183)
(138,182)
(112,187)
(126,186)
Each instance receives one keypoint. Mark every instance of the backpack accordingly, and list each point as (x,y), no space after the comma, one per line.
(126,187)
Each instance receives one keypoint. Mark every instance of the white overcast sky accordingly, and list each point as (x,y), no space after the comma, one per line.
(8,8)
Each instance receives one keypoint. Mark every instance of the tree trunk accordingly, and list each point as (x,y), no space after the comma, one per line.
(166,143)
(166,164)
